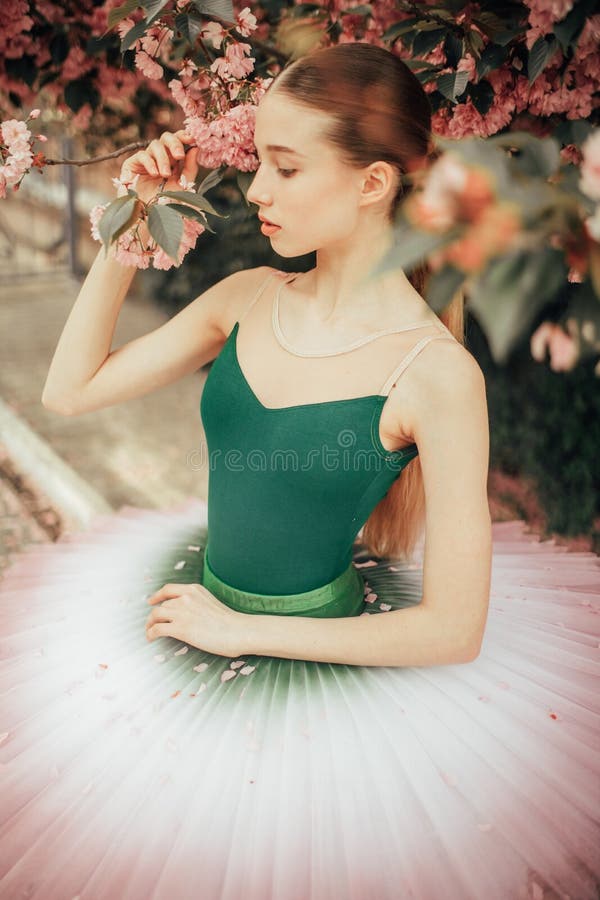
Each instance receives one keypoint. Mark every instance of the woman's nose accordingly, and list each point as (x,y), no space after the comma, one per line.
(257,192)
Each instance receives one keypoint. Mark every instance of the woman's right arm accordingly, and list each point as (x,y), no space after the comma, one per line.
(84,374)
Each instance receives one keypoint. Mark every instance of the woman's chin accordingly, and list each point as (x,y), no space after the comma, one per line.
(290,252)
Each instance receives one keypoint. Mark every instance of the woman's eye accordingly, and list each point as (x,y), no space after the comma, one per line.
(287,173)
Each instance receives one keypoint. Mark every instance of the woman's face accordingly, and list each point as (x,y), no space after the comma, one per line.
(306,189)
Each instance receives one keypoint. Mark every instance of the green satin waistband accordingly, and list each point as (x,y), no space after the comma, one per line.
(344,596)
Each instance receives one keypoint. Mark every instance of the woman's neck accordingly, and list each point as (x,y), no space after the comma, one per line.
(339,288)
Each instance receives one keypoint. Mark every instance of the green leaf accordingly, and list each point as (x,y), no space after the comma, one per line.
(453,84)
(166,227)
(511,35)
(116,219)
(482,94)
(539,157)
(191,213)
(364,10)
(132,35)
(412,246)
(492,57)
(244,180)
(427,39)
(213,178)
(573,131)
(195,200)
(508,296)
(221,8)
(489,23)
(398,28)
(442,286)
(539,55)
(121,12)
(475,42)
(190,25)
(421,64)
(454,48)
(425,77)
(153,10)
(567,32)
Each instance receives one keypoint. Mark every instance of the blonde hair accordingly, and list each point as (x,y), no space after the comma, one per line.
(397,523)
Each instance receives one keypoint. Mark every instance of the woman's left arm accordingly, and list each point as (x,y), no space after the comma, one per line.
(451,429)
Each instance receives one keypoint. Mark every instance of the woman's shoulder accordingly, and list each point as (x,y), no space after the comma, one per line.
(442,375)
(243,286)
(237,292)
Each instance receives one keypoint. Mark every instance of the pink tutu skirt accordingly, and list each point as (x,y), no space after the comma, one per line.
(132,770)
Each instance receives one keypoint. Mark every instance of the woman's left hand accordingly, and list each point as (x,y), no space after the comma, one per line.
(190,613)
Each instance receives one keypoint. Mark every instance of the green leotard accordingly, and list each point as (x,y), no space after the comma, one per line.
(289,488)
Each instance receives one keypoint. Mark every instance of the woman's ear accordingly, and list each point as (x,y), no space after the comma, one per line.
(380,182)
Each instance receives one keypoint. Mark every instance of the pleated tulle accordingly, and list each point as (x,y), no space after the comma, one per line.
(132,770)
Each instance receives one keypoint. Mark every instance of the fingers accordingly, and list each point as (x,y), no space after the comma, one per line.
(161,156)
(158,630)
(190,168)
(158,150)
(167,592)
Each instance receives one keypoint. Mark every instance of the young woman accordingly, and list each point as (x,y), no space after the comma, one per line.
(301,710)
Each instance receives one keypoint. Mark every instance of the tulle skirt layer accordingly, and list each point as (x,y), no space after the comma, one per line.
(138,770)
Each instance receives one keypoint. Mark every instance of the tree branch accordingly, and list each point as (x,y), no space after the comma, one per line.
(135,145)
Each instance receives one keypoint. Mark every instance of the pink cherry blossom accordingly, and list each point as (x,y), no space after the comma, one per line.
(188,97)
(214,33)
(14,130)
(468,64)
(571,153)
(95,215)
(18,156)
(246,22)
(124,27)
(437,205)
(542,16)
(234,64)
(148,66)
(188,69)
(227,139)
(562,346)
(154,39)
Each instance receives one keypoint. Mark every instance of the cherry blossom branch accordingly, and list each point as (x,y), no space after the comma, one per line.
(135,145)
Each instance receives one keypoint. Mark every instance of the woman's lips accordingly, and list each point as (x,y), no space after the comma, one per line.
(268,229)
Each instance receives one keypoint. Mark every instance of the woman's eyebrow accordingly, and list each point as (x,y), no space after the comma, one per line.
(281,149)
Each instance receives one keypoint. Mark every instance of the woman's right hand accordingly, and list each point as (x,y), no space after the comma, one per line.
(165,158)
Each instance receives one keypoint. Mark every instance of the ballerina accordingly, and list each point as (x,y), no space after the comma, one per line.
(323,691)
